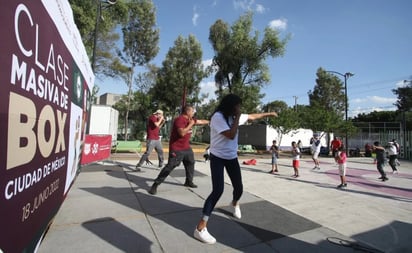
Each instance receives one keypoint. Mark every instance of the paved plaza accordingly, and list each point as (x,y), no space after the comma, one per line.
(108,209)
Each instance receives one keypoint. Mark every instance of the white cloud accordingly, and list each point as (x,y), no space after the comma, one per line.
(260,8)
(403,83)
(207,62)
(371,103)
(279,24)
(243,4)
(208,88)
(248,5)
(358,110)
(195,16)
(374,99)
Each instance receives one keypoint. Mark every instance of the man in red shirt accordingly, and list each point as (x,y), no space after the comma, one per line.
(154,123)
(179,148)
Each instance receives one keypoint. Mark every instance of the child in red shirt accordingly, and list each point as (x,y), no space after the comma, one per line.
(341,159)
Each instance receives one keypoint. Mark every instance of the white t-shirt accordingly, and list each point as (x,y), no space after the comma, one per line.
(220,145)
(316,146)
(392,149)
(296,155)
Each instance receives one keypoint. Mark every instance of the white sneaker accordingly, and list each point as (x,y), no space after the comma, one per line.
(236,211)
(204,236)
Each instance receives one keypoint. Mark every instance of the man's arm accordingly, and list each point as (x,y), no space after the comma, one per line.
(159,123)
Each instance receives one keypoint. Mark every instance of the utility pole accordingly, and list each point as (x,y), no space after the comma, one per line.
(345,76)
(296,103)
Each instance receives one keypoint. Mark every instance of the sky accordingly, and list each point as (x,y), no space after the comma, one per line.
(370,38)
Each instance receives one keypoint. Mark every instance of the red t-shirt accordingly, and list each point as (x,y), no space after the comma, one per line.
(152,130)
(336,144)
(176,141)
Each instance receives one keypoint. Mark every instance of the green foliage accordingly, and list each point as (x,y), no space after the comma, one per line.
(275,106)
(240,55)
(250,97)
(205,111)
(181,70)
(287,121)
(404,102)
(328,92)
(102,28)
(383,116)
(140,36)
(327,105)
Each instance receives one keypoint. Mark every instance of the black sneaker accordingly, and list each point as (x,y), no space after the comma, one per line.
(385,179)
(190,184)
(153,190)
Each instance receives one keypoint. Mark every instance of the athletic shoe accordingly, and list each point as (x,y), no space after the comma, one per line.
(153,190)
(395,172)
(342,186)
(137,168)
(385,179)
(190,184)
(204,236)
(236,211)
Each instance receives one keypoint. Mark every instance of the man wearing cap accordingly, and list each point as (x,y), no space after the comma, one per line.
(154,123)
(180,150)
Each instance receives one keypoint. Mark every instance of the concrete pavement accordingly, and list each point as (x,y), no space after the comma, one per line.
(108,209)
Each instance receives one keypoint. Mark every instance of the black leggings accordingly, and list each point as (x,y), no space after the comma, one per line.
(233,170)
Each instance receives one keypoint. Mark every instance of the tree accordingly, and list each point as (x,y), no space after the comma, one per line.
(240,58)
(140,38)
(327,105)
(404,93)
(286,122)
(98,33)
(328,93)
(275,106)
(375,116)
(180,74)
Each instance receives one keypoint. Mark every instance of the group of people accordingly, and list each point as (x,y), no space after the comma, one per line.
(391,150)
(338,153)
(224,125)
(222,153)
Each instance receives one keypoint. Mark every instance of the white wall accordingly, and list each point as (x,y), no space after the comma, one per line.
(263,135)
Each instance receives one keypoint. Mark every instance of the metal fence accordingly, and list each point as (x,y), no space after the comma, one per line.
(403,138)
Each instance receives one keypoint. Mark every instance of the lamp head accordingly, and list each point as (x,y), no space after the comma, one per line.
(349,74)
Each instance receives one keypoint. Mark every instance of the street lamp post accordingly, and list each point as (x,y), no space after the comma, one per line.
(346,77)
(405,147)
(96,26)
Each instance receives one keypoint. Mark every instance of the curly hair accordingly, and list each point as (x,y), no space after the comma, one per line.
(227,105)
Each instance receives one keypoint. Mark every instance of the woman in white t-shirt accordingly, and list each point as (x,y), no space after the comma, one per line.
(223,154)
